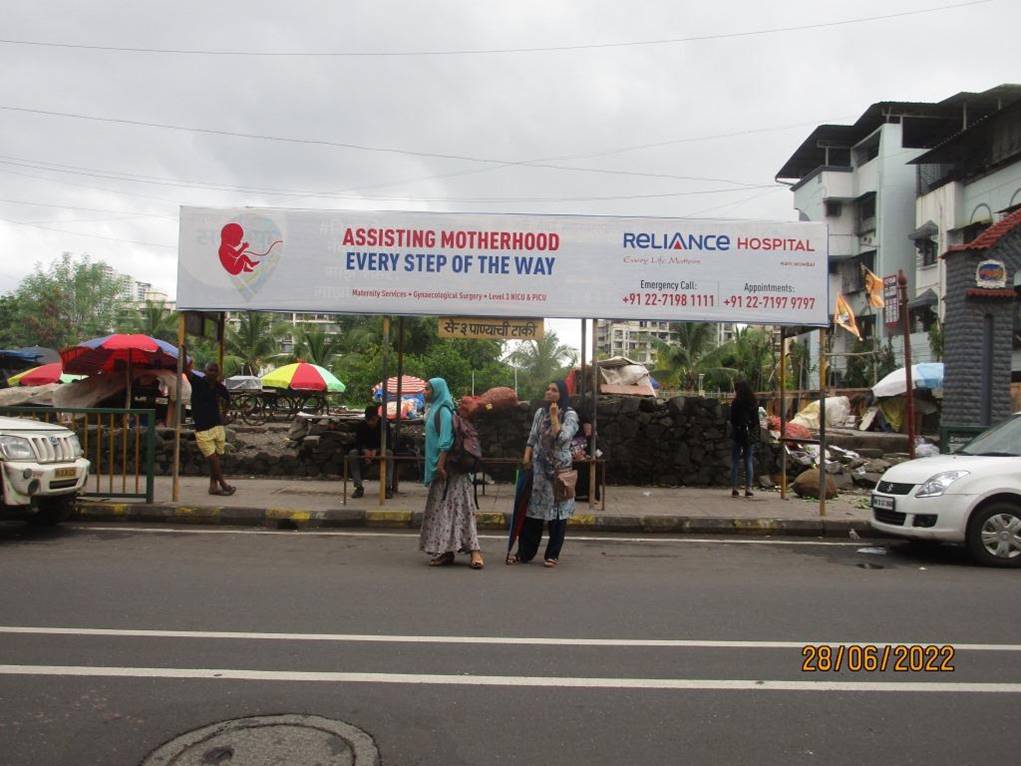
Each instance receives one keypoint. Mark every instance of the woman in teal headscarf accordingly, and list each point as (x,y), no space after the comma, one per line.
(448,525)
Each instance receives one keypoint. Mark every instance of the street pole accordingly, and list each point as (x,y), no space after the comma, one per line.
(902,288)
(383,420)
(400,396)
(783,413)
(823,475)
(175,493)
(595,420)
(584,353)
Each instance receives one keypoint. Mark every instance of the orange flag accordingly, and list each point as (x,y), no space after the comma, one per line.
(874,289)
(844,316)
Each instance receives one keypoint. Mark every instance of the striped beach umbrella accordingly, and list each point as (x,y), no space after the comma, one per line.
(302,376)
(409,385)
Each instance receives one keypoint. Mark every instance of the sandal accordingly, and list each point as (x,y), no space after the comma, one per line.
(443,560)
(477,563)
(512,558)
(550,563)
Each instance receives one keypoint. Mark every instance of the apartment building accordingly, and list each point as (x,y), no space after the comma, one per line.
(965,184)
(636,339)
(862,181)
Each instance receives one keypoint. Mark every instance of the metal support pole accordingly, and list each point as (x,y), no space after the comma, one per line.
(595,420)
(221,332)
(902,288)
(383,420)
(783,413)
(584,353)
(823,475)
(175,494)
(400,393)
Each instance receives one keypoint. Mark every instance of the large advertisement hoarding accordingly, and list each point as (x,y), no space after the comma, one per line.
(390,262)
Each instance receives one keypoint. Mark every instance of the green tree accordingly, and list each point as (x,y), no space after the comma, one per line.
(886,360)
(253,342)
(317,346)
(936,340)
(749,354)
(153,318)
(71,301)
(860,369)
(539,362)
(688,354)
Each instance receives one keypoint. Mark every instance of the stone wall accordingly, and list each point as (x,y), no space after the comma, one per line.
(681,442)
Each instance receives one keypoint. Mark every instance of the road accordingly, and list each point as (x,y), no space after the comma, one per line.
(116,639)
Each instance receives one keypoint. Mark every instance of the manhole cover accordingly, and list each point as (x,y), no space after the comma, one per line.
(275,740)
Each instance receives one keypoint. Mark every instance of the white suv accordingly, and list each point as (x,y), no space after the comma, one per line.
(41,470)
(972,496)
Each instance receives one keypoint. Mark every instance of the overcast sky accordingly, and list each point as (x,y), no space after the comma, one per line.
(719,115)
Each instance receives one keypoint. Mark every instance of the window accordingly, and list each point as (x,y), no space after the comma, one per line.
(968,233)
(867,213)
(867,151)
(927,251)
(833,209)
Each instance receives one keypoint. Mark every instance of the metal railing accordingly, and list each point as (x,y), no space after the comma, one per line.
(120,443)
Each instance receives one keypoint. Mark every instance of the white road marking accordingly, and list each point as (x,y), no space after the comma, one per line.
(238,674)
(573,538)
(378,638)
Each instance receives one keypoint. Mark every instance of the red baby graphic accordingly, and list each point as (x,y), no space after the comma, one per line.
(232,250)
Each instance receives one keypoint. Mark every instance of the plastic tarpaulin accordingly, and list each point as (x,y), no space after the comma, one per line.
(620,375)
(837,410)
(926,375)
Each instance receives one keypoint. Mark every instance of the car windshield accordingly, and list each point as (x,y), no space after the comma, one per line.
(1003,440)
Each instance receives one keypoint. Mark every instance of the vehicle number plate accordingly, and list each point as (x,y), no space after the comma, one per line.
(883,503)
(65,473)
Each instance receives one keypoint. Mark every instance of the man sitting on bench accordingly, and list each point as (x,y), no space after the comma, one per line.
(366,450)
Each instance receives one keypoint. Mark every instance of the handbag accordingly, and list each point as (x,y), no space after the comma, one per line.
(564,482)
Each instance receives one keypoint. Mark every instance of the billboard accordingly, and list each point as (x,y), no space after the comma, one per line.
(486,265)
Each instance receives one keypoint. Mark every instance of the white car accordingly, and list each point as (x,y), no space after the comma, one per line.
(972,496)
(41,470)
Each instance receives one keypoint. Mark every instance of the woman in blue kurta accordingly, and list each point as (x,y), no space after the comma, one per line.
(448,525)
(548,450)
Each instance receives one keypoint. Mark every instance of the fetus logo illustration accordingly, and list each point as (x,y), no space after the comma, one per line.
(250,248)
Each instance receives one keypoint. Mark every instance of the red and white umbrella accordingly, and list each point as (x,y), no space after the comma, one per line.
(409,385)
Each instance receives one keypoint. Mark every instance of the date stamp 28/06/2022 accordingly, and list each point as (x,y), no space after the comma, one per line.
(877,658)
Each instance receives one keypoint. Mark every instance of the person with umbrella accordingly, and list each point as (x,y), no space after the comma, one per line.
(210,438)
(548,459)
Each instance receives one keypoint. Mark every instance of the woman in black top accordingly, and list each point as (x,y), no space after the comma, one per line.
(744,428)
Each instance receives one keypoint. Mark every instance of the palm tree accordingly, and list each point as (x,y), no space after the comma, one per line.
(253,342)
(750,355)
(316,346)
(690,353)
(153,319)
(542,361)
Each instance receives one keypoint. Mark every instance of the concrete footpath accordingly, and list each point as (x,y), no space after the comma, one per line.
(300,503)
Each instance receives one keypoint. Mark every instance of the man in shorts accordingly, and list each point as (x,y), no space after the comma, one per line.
(210,437)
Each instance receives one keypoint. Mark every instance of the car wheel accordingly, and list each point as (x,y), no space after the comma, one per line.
(52,511)
(994,535)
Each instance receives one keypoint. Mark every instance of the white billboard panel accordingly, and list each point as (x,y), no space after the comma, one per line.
(391,262)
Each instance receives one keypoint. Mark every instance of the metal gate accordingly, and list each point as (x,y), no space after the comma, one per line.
(120,443)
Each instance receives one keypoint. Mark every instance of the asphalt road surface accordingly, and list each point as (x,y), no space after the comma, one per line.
(116,639)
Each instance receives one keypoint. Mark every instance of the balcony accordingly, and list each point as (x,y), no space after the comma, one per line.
(866,178)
